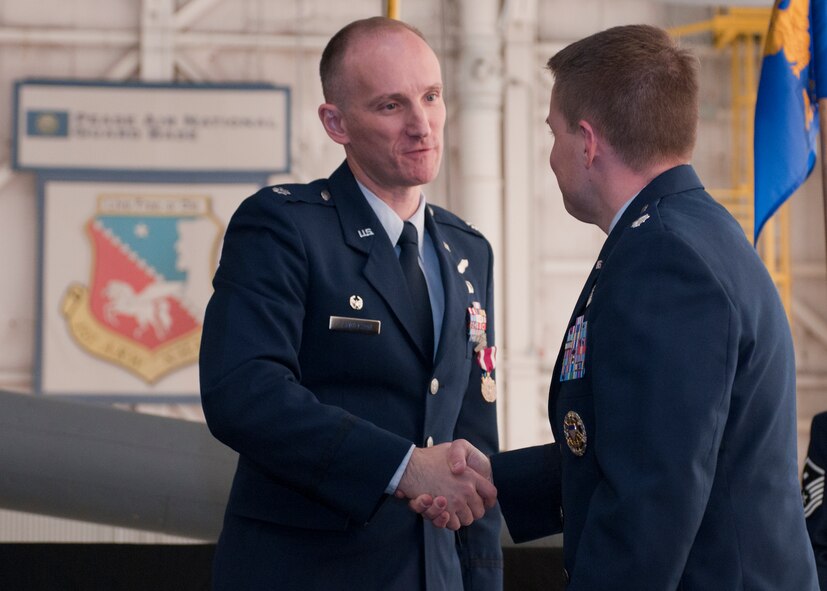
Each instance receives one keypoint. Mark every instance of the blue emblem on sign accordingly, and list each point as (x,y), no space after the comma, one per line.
(47,123)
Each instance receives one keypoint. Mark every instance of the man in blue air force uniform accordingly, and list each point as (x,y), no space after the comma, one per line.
(673,397)
(316,368)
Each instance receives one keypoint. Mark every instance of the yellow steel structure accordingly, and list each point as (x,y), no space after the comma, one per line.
(392,9)
(742,32)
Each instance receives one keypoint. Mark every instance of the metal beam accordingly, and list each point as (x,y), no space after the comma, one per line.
(285,41)
(520,424)
(191,12)
(124,67)
(98,464)
(5,174)
(59,36)
(157,40)
(811,381)
(810,320)
(183,39)
(190,69)
(392,9)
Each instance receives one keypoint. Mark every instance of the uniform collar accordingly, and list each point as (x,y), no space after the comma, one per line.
(675,180)
(620,212)
(389,219)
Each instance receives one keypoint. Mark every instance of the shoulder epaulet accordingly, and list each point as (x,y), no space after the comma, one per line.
(443,216)
(314,192)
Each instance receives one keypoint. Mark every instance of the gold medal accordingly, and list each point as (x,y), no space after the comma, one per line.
(488,387)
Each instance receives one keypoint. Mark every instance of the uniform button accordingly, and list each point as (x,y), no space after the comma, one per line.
(434,386)
(429,442)
(566,576)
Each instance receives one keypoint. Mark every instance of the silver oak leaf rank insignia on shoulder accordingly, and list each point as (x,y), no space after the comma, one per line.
(640,221)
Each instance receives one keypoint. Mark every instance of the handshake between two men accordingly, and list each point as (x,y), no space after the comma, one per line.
(449,484)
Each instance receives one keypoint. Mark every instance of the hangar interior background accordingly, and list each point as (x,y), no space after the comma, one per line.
(495,171)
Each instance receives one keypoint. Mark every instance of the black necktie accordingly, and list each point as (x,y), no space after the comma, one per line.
(409,260)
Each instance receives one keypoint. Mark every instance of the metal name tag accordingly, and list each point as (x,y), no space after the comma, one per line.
(355,325)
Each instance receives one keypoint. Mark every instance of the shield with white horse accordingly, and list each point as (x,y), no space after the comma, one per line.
(154,257)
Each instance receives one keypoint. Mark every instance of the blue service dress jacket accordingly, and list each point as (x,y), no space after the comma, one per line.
(673,407)
(310,371)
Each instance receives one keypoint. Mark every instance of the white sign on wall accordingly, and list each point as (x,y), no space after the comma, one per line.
(150,128)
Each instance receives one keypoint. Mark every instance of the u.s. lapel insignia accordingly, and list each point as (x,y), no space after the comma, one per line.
(575,432)
(365,232)
(281,191)
(356,302)
(640,221)
(462,265)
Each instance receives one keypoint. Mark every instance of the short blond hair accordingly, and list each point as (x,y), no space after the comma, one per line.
(636,86)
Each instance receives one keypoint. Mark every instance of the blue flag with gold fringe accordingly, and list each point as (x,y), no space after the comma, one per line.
(786,112)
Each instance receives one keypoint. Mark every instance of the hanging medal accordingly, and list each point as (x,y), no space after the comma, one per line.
(487,360)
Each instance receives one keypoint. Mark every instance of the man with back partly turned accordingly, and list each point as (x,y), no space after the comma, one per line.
(673,397)
(350,337)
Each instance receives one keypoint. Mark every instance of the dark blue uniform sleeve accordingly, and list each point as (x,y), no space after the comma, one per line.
(528,490)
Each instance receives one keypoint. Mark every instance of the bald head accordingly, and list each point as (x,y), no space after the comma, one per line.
(332,68)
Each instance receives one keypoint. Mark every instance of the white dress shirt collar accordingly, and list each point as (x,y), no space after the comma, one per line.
(391,222)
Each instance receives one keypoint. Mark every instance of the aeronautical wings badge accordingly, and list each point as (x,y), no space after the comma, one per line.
(153,260)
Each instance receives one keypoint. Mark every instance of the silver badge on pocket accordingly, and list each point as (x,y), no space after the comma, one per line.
(575,432)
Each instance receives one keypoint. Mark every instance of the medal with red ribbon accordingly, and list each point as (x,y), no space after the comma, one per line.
(487,360)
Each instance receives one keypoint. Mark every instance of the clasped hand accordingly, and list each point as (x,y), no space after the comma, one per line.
(448,484)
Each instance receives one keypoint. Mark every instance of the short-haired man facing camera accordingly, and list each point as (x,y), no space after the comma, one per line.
(349,335)
(673,397)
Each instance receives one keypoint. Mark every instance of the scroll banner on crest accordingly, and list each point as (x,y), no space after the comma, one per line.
(136,186)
